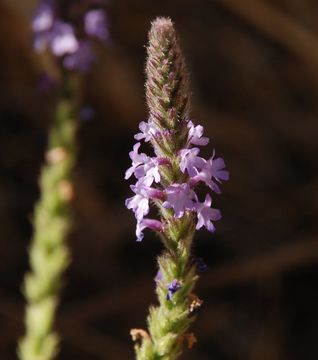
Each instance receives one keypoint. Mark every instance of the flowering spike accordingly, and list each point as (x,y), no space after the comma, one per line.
(168,181)
(67,34)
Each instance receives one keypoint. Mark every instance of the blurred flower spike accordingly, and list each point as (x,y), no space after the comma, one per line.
(68,37)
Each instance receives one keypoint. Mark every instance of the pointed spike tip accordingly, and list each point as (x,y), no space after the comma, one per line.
(162,23)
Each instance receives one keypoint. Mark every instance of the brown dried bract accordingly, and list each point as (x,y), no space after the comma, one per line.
(195,302)
(138,334)
(190,339)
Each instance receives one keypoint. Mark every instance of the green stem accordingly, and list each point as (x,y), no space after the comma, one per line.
(168,323)
(49,253)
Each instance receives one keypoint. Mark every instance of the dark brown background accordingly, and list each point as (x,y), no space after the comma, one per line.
(254,70)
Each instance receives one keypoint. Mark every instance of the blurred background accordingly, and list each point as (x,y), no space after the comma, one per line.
(254,72)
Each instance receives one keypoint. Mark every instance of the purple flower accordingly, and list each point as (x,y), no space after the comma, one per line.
(95,24)
(152,170)
(138,160)
(139,204)
(147,223)
(217,169)
(195,135)
(190,161)
(151,193)
(179,197)
(43,17)
(63,40)
(148,130)
(68,40)
(49,32)
(173,287)
(213,170)
(145,167)
(82,59)
(206,214)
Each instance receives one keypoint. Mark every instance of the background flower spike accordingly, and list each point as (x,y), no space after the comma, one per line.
(69,40)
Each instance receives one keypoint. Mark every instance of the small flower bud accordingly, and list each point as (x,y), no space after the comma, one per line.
(195,302)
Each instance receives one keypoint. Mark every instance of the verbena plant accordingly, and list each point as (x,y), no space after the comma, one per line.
(168,181)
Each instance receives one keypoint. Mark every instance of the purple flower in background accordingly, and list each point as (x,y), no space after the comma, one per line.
(43,17)
(42,23)
(173,287)
(62,39)
(95,24)
(69,40)
(82,59)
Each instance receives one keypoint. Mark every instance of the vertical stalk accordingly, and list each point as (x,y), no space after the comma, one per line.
(167,93)
(49,253)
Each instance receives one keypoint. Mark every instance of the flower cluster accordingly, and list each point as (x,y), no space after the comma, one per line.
(178,196)
(69,40)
